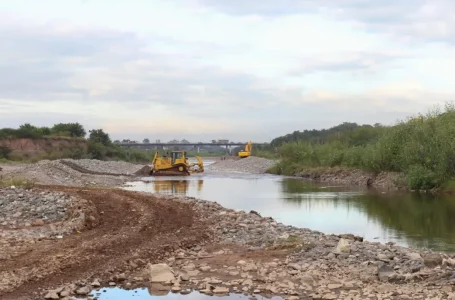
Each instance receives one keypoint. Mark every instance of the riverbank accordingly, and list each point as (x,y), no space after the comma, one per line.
(355,177)
(71,239)
(180,244)
(385,181)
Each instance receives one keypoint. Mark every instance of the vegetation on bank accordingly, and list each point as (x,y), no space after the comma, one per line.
(99,144)
(422,147)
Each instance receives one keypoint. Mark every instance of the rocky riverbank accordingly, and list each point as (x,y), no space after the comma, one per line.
(212,249)
(355,177)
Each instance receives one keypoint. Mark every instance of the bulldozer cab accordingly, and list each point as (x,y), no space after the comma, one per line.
(178,155)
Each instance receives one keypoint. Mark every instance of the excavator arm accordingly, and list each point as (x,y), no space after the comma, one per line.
(247,151)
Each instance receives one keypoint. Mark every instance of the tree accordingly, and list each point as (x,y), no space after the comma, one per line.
(146,141)
(28,131)
(99,136)
(69,129)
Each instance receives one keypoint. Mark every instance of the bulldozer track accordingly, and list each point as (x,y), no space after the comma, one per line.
(87,171)
(173,171)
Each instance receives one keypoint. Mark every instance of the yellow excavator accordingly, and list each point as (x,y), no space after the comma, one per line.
(247,151)
(175,165)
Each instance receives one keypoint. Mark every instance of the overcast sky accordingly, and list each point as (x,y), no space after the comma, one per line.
(213,69)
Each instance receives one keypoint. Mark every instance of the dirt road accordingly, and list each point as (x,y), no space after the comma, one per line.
(127,231)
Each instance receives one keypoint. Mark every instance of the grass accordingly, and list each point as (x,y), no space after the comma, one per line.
(422,148)
(17,182)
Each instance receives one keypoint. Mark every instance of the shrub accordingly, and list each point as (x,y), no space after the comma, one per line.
(421,147)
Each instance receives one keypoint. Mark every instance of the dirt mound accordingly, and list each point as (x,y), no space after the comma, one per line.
(144,171)
(129,230)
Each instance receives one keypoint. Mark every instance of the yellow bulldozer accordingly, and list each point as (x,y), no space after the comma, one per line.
(176,164)
(247,151)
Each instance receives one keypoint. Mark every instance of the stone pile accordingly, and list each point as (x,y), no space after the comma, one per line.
(20,207)
(255,165)
(56,172)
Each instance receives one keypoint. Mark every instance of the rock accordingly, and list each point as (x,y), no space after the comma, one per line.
(64,294)
(334,286)
(85,290)
(221,290)
(175,289)
(51,295)
(384,272)
(184,277)
(414,256)
(383,257)
(95,283)
(342,247)
(432,260)
(294,266)
(160,273)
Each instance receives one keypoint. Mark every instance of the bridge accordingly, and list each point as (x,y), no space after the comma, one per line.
(141,145)
(194,145)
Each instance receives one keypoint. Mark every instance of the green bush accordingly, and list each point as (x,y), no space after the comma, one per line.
(421,147)
(4,151)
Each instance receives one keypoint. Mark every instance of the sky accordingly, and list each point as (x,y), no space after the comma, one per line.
(217,69)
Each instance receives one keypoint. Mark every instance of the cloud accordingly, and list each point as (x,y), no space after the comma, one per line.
(413,20)
(204,70)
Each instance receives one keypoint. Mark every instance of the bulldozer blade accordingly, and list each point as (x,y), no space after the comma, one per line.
(144,171)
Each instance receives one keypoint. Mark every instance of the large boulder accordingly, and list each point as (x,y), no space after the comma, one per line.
(160,273)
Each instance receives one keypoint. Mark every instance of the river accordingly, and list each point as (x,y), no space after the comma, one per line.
(408,219)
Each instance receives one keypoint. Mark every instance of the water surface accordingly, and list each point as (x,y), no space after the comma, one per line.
(409,219)
(146,294)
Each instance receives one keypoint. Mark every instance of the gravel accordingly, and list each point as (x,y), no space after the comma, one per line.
(326,266)
(252,164)
(113,167)
(29,215)
(252,254)
(86,172)
(20,207)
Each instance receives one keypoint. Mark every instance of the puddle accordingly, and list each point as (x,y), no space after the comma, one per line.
(144,294)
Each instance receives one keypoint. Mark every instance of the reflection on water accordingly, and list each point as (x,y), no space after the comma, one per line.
(419,220)
(147,294)
(174,187)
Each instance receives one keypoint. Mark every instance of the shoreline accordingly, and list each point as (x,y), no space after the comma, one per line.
(177,244)
(384,181)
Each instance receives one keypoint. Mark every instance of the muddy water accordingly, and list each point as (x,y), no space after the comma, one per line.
(409,219)
(144,294)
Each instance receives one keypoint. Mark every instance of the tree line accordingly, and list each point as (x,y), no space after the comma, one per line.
(100,145)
